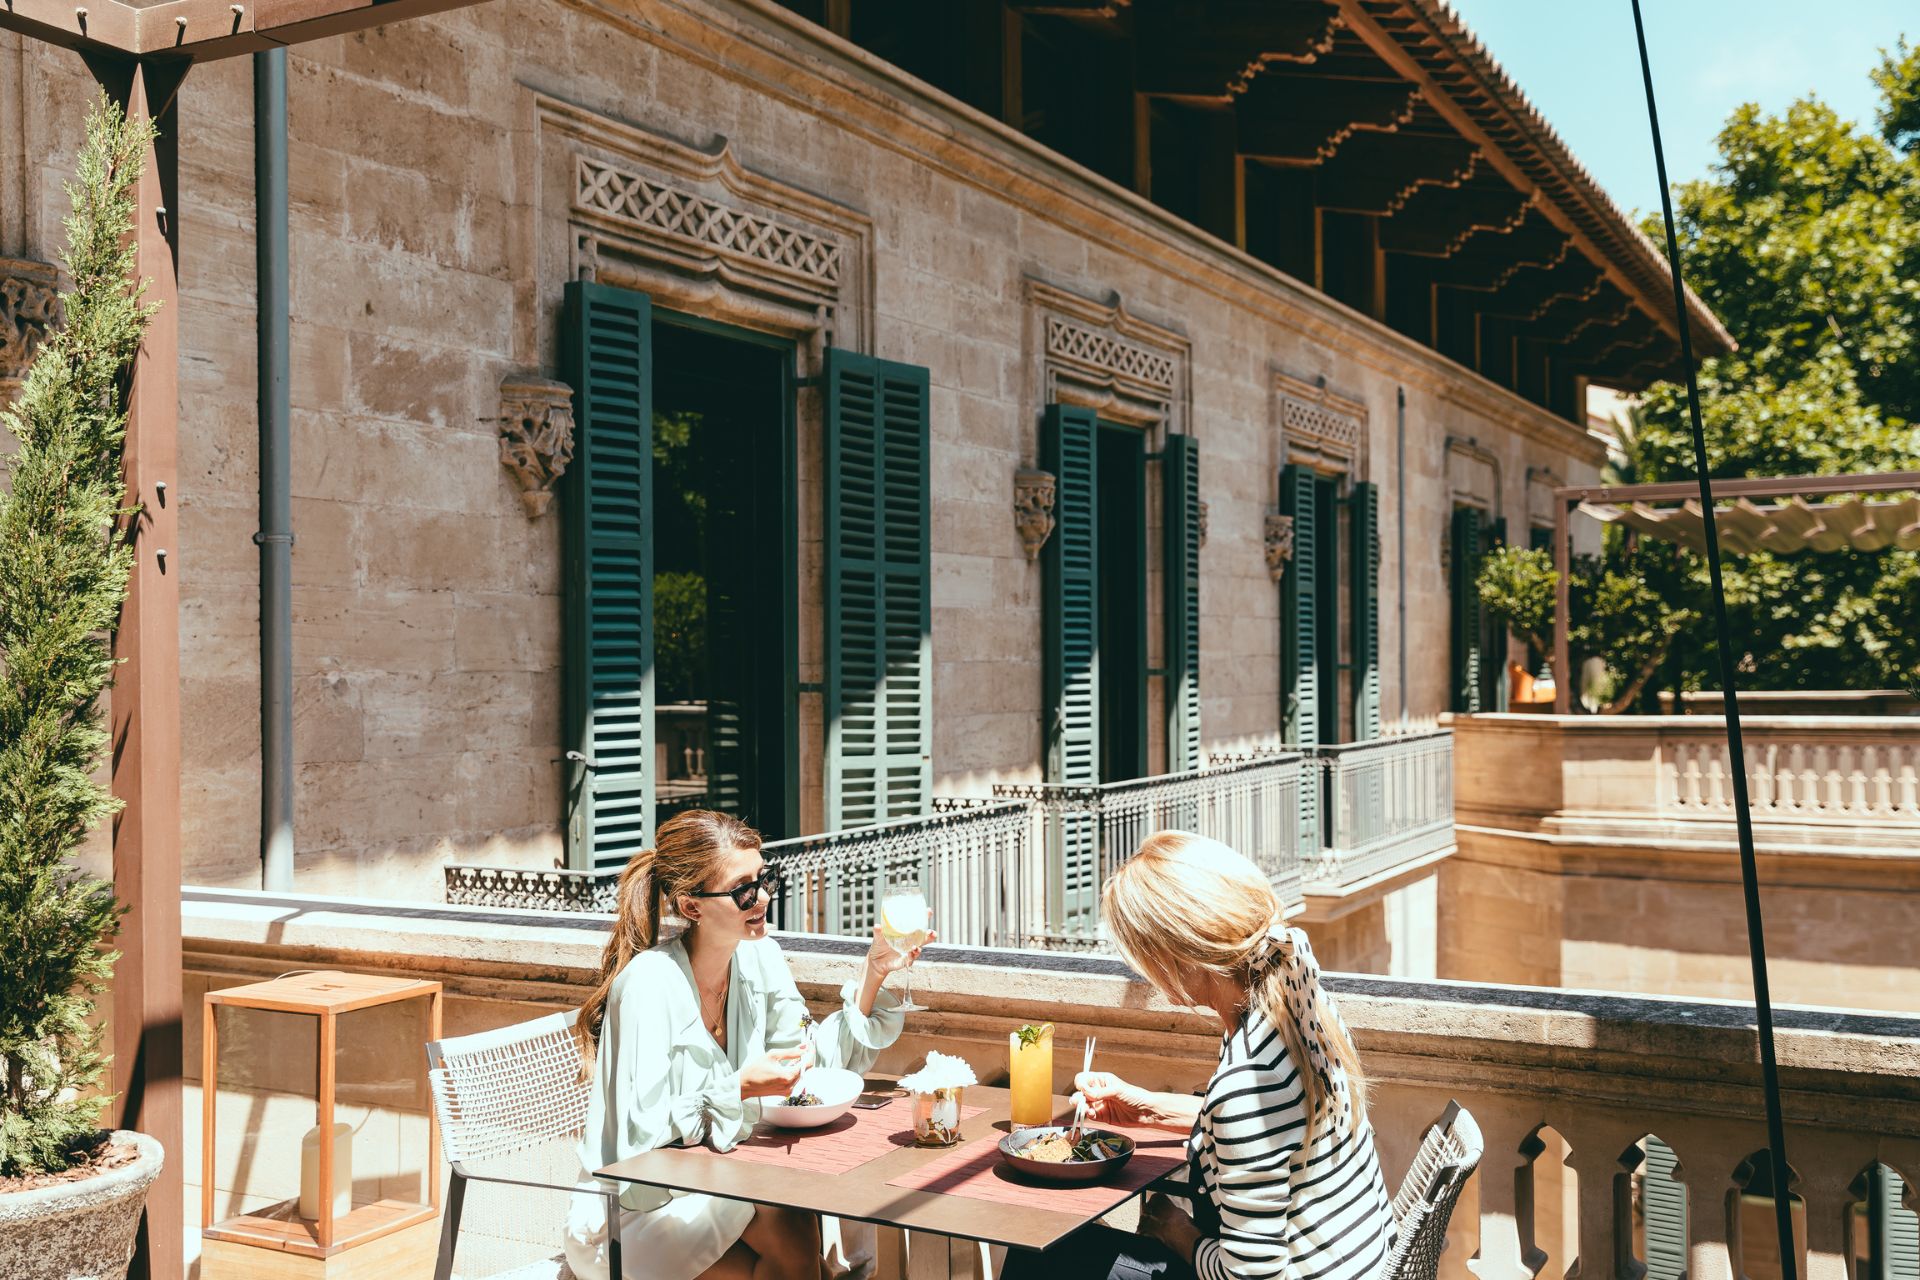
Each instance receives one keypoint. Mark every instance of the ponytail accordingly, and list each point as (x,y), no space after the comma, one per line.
(636,928)
(1267,992)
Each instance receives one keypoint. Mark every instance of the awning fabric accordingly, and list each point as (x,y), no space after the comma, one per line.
(1783,527)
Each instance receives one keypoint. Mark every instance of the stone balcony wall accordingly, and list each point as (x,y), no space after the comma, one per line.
(1600,852)
(1563,1084)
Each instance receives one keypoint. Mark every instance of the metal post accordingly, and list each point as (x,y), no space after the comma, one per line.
(1562,601)
(145,704)
(275,537)
(1400,531)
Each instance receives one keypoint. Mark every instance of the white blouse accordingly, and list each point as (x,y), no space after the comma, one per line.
(661,1079)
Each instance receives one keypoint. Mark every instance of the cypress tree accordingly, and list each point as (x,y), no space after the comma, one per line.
(63,576)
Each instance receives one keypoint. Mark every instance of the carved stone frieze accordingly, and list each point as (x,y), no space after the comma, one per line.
(1320,426)
(29,311)
(536,437)
(1033,508)
(1278,537)
(1100,355)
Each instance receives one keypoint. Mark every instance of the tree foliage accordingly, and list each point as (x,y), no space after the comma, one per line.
(1805,239)
(63,577)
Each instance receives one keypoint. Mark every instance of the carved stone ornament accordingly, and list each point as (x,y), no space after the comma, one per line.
(1033,508)
(1278,537)
(1203,522)
(536,437)
(29,311)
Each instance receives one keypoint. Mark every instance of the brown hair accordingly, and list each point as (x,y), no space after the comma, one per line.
(686,850)
(1185,905)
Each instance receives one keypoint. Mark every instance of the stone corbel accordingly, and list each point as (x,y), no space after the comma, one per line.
(1033,508)
(29,311)
(536,437)
(1278,537)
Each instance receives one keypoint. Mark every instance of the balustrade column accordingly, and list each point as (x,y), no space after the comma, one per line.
(1707,1157)
(1595,1160)
(1504,1238)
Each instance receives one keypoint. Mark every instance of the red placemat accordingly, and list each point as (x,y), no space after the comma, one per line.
(846,1144)
(977,1171)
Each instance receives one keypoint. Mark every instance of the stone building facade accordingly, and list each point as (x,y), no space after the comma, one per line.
(744,167)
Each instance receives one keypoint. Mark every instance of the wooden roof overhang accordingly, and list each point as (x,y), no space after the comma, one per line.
(140,54)
(1399,112)
(1838,520)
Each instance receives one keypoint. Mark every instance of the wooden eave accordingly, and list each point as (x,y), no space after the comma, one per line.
(201,30)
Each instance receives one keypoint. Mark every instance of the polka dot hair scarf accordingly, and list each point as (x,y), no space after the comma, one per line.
(1289,949)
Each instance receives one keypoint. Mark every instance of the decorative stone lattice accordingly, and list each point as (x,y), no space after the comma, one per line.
(1082,345)
(536,437)
(1321,427)
(29,311)
(1278,538)
(656,206)
(1033,508)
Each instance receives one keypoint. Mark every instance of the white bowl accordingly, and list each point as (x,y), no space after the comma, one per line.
(836,1090)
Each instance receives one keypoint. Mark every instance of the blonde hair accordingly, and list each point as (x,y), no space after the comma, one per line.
(1186,906)
(686,851)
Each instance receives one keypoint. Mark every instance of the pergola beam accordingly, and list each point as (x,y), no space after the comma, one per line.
(202,30)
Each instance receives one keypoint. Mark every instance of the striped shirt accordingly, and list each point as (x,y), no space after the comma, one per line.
(1270,1208)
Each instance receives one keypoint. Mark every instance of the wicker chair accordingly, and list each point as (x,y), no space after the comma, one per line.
(1422,1207)
(512,1105)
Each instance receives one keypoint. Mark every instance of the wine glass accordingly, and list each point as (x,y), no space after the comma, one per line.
(903,925)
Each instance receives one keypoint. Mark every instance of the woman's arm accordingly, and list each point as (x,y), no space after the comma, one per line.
(633,1073)
(1113,1099)
(868,1020)
(1252,1125)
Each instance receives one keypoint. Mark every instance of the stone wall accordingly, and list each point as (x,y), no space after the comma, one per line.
(434,223)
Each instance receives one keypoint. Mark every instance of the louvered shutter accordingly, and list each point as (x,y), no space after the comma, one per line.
(1466,653)
(1182,474)
(1365,528)
(1071,661)
(879,613)
(607,502)
(1901,1227)
(1299,619)
(1663,1207)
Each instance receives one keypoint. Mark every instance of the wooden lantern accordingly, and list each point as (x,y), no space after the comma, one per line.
(380,1237)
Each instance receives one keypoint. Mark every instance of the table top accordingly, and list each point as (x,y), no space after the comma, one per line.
(862,1194)
(323,992)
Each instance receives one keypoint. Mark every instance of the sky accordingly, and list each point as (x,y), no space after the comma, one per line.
(1577,61)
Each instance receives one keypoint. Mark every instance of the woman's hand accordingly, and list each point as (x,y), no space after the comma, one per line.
(772,1076)
(1167,1222)
(1112,1099)
(882,959)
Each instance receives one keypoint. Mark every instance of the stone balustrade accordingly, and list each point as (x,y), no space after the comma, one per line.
(1563,1084)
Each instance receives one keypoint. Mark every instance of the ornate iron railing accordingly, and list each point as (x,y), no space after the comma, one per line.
(531,889)
(1084,833)
(968,860)
(1386,802)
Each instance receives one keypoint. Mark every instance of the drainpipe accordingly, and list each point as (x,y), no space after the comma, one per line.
(276,501)
(1400,532)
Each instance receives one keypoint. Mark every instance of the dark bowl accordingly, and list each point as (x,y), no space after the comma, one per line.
(1073,1171)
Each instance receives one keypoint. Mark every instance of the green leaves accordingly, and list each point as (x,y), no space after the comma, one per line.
(63,577)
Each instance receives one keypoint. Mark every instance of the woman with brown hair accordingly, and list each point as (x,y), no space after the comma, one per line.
(687,1035)
(1283,1181)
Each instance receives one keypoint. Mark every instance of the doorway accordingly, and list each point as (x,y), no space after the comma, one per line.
(1122,633)
(725,585)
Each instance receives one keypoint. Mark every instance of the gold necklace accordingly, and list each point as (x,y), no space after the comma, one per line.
(716,1025)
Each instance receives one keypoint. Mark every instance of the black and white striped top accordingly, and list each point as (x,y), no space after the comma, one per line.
(1271,1209)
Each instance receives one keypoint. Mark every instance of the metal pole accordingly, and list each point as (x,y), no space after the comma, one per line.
(1562,601)
(1737,760)
(1400,531)
(275,537)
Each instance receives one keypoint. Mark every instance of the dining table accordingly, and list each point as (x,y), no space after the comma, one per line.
(934,1207)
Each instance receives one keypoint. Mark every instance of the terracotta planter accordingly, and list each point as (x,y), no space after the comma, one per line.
(80,1230)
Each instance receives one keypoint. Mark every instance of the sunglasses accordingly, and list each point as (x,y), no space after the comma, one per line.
(746,895)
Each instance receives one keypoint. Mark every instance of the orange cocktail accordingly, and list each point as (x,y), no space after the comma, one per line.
(1030,1071)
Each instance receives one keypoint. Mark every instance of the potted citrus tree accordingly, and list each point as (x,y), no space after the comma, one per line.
(70,1194)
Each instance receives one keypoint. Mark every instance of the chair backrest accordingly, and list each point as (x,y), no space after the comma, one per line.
(498,1093)
(1448,1155)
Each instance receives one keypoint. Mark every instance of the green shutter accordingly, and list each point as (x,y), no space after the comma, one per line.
(879,613)
(1365,527)
(1467,657)
(1300,648)
(607,502)
(1663,1204)
(1070,565)
(1901,1227)
(1182,474)
(1493,634)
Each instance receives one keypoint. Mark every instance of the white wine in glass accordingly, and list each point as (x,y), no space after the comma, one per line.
(904,918)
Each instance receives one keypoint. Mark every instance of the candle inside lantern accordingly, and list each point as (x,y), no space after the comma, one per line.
(342,1172)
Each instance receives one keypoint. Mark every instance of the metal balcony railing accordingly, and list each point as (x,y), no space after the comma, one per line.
(1084,833)
(1385,803)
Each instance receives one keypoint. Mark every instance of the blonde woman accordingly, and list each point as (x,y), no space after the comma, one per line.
(686,1036)
(1284,1179)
